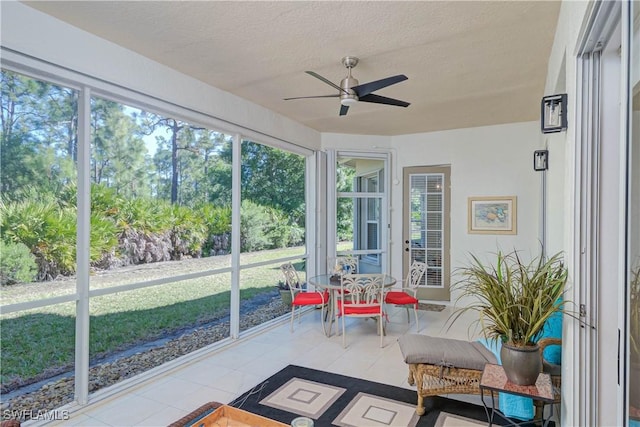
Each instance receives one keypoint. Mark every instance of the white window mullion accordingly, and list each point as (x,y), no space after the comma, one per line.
(83,248)
(236,167)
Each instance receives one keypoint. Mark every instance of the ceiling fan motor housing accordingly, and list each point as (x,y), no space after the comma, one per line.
(349,96)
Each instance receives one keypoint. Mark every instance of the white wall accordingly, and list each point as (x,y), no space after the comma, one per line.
(39,35)
(485,161)
(555,184)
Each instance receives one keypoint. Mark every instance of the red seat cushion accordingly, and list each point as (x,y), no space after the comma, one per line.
(348,309)
(309,298)
(400,298)
(361,310)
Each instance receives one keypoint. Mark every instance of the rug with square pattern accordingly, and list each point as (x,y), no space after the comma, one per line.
(338,400)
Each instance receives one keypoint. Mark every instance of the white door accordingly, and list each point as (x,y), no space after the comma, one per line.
(426,230)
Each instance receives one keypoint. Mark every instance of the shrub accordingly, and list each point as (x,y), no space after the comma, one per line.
(216,218)
(253,227)
(17,264)
(188,232)
(47,229)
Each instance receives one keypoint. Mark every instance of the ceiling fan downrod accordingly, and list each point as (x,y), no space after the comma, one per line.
(348,97)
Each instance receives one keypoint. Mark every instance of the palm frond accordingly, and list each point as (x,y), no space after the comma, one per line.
(513,299)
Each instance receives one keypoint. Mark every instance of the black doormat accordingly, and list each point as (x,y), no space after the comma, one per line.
(430,307)
(338,400)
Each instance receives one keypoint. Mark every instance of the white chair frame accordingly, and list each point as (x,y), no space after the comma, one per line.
(364,291)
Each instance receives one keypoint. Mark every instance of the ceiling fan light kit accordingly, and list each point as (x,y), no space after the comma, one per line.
(349,101)
(351,92)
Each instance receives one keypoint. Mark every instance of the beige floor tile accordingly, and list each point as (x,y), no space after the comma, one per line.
(226,373)
(163,417)
(127,411)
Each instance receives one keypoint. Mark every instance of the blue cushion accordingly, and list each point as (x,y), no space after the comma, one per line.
(553,329)
(511,405)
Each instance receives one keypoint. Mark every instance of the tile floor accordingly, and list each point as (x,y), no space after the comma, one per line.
(223,374)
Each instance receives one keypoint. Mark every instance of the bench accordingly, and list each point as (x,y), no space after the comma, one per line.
(440,366)
(443,365)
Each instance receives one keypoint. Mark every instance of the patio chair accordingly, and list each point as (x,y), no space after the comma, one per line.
(407,295)
(362,296)
(299,295)
(345,265)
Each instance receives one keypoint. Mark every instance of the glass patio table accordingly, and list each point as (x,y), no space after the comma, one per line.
(331,283)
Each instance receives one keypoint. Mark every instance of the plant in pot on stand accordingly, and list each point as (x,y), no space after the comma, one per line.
(514,300)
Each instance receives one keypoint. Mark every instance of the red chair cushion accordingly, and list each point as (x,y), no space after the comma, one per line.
(348,309)
(400,298)
(311,298)
(361,310)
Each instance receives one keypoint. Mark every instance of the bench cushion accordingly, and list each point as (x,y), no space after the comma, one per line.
(445,351)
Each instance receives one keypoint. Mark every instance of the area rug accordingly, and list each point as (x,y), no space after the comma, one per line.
(338,400)
(451,420)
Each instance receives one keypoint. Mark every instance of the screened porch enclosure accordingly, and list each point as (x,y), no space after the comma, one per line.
(177,223)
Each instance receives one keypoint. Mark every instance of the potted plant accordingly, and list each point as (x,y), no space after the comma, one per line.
(514,300)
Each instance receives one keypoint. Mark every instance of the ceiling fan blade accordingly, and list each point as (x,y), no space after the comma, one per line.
(316,96)
(343,110)
(327,81)
(366,88)
(377,99)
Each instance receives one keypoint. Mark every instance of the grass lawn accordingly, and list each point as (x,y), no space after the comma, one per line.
(43,340)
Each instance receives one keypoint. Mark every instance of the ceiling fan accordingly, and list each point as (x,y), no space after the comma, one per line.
(350,92)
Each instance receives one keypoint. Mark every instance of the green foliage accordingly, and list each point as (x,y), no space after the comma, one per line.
(179,191)
(48,230)
(187,231)
(39,138)
(263,227)
(344,219)
(254,221)
(103,237)
(274,178)
(514,300)
(144,215)
(17,264)
(216,218)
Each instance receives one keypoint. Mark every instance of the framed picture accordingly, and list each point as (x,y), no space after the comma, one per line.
(492,215)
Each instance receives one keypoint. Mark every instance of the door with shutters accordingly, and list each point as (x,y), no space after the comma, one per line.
(426,228)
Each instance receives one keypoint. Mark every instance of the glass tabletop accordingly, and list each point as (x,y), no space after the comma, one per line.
(329,281)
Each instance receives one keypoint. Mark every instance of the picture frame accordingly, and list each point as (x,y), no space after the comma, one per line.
(492,215)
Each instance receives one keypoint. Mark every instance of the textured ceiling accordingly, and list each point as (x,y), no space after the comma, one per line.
(469,63)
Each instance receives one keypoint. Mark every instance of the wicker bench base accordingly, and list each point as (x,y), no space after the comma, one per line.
(434,380)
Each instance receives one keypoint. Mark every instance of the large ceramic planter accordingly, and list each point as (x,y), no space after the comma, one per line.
(285,294)
(521,364)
